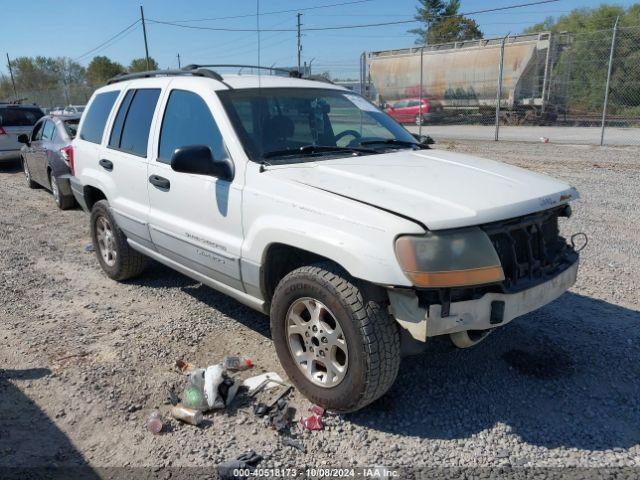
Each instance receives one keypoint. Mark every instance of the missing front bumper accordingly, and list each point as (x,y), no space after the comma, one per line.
(490,311)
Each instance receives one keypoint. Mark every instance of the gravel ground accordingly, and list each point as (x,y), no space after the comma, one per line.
(86,359)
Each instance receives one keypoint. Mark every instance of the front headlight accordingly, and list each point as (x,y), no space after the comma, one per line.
(449,259)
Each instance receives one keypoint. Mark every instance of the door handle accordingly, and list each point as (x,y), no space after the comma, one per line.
(106,164)
(160,182)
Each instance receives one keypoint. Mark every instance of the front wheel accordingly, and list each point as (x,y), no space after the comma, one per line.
(118,260)
(338,344)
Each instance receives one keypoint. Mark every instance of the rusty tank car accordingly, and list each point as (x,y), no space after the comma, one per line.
(463,76)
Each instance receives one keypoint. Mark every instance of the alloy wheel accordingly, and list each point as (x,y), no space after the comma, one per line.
(316,342)
(54,189)
(106,241)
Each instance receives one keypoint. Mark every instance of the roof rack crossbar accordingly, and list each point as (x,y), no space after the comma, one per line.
(198,72)
(240,66)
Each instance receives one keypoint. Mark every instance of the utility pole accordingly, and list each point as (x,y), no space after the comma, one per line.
(299,41)
(144,32)
(179,65)
(13,82)
(499,90)
(606,88)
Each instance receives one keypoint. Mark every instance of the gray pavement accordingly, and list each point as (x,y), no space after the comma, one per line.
(555,134)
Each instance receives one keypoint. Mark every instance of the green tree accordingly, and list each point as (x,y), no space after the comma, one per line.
(140,65)
(102,69)
(583,62)
(443,23)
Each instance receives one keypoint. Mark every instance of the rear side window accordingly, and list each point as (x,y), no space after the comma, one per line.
(131,127)
(19,117)
(48,130)
(188,121)
(71,127)
(96,117)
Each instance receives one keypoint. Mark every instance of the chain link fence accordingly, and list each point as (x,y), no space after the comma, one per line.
(561,87)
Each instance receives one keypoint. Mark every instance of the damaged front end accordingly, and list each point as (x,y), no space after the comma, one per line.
(537,266)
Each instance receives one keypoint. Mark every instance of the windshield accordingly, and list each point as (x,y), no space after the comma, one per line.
(284,123)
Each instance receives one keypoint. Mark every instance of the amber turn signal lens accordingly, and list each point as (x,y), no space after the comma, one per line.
(457,278)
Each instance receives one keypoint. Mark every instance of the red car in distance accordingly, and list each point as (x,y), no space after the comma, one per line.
(408,110)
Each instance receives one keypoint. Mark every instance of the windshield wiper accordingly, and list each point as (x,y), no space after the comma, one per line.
(394,142)
(312,149)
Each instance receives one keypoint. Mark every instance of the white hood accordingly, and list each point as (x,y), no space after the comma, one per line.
(437,188)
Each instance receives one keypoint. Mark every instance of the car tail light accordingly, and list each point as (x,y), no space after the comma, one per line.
(67,154)
(426,106)
(2,132)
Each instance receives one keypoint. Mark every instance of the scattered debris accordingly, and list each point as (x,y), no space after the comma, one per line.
(212,380)
(154,423)
(318,410)
(247,460)
(187,415)
(235,363)
(295,443)
(228,390)
(89,248)
(312,422)
(184,366)
(544,139)
(281,417)
(193,394)
(261,382)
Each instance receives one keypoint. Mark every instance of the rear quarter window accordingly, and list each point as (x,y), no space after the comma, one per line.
(97,115)
(131,127)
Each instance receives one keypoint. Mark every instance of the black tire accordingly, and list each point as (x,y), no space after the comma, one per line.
(128,263)
(64,202)
(27,174)
(371,335)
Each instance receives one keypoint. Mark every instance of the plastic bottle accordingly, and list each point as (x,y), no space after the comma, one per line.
(193,394)
(154,423)
(238,363)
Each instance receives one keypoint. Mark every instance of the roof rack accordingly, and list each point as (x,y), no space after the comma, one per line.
(290,72)
(320,78)
(197,72)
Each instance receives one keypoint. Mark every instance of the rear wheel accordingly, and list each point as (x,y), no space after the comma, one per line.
(64,202)
(337,343)
(27,174)
(118,260)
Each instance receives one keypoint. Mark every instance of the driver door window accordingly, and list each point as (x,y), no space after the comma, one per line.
(188,121)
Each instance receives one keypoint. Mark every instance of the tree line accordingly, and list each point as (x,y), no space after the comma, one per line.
(60,81)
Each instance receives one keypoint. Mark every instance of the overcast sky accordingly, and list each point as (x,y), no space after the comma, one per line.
(74,27)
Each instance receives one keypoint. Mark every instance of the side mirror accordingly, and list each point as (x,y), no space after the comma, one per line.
(423,139)
(198,159)
(24,138)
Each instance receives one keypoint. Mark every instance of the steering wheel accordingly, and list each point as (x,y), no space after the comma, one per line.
(353,133)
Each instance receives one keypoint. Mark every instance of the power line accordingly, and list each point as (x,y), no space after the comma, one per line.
(398,22)
(107,41)
(272,13)
(114,41)
(346,27)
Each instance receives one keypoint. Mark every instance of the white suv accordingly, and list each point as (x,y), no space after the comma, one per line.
(304,201)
